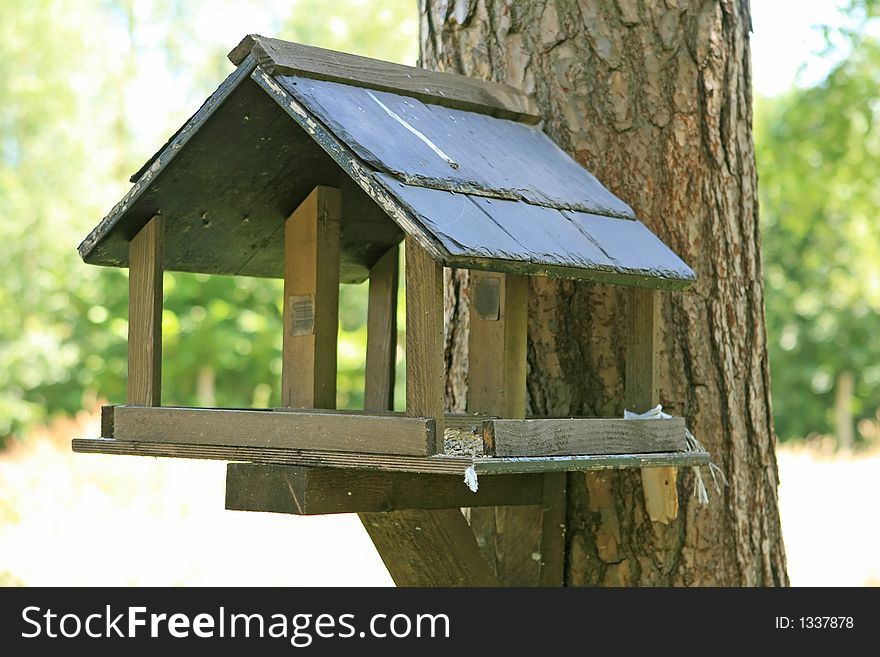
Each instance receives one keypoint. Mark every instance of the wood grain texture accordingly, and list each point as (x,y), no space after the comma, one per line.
(437,464)
(563,437)
(429,548)
(523,544)
(497,348)
(313,491)
(447,89)
(269,429)
(425,365)
(379,371)
(145,256)
(311,301)
(642,393)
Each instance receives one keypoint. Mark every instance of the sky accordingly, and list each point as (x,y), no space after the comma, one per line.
(784,40)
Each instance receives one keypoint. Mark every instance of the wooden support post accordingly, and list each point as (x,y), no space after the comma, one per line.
(145,261)
(419,547)
(425,366)
(428,548)
(525,544)
(311,301)
(382,333)
(643,393)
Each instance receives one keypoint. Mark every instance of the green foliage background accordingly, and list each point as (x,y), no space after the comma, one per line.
(84,100)
(818,152)
(77,116)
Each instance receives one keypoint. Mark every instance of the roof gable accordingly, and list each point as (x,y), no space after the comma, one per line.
(476,190)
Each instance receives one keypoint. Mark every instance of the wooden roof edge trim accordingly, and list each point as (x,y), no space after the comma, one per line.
(361,173)
(280,57)
(144,177)
(664,280)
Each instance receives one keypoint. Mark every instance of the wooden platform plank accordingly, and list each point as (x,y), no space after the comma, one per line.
(145,256)
(437,464)
(448,89)
(570,437)
(312,491)
(374,434)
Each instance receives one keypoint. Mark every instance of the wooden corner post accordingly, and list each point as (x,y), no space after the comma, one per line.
(382,332)
(525,544)
(643,393)
(425,364)
(145,261)
(311,301)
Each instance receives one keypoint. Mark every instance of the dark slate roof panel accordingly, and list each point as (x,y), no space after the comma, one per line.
(454,150)
(497,230)
(456,221)
(551,237)
(631,246)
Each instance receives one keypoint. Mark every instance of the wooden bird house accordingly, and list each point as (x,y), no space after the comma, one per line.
(313,166)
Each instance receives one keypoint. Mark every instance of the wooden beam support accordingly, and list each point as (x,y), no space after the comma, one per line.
(524,544)
(145,315)
(382,333)
(643,393)
(425,364)
(311,301)
(429,548)
(312,491)
(420,547)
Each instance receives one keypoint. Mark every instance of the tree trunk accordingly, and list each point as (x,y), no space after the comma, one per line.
(655,99)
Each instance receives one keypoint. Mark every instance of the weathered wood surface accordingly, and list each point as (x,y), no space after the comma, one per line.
(312,491)
(437,464)
(497,344)
(482,232)
(448,89)
(263,429)
(251,165)
(379,371)
(311,301)
(425,365)
(509,537)
(429,548)
(642,392)
(450,149)
(563,437)
(145,314)
(229,179)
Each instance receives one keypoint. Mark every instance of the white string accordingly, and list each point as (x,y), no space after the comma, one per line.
(693,445)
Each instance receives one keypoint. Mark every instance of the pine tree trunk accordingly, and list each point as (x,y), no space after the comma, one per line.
(654,98)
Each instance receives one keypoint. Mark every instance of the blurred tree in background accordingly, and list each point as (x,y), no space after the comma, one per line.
(88,91)
(818,151)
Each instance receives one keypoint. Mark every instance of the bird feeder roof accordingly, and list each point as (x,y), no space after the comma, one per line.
(460,165)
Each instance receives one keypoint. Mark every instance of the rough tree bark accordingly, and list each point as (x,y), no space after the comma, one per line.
(654,97)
